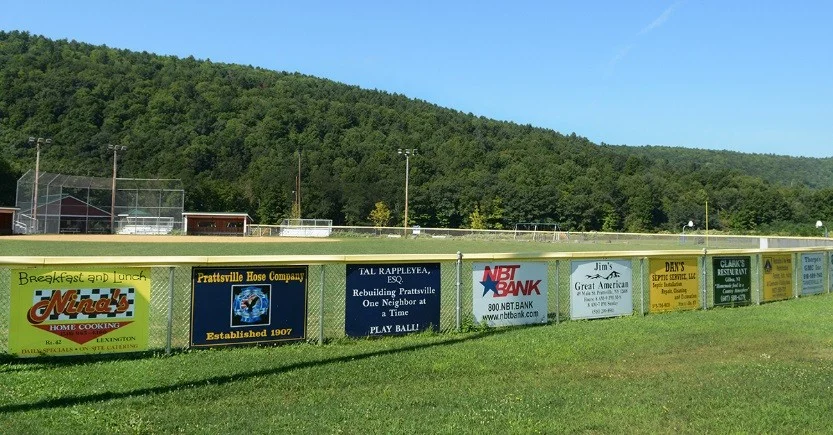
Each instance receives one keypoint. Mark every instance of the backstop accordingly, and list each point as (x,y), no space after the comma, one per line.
(57,203)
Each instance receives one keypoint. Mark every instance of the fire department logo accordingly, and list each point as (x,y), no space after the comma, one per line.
(250,305)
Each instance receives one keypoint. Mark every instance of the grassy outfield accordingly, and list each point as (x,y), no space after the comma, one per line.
(344,246)
(760,369)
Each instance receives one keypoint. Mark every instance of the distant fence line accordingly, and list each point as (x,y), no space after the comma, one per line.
(695,239)
(83,304)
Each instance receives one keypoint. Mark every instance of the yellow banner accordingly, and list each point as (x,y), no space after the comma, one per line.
(675,284)
(778,277)
(74,311)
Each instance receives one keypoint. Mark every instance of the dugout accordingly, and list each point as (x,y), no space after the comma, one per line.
(7,220)
(216,224)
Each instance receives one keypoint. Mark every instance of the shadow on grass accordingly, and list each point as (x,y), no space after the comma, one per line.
(51,361)
(62,402)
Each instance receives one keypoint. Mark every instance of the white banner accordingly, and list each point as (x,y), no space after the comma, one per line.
(509,293)
(812,273)
(601,288)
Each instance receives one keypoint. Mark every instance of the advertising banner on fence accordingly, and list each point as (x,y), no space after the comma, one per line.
(507,294)
(812,273)
(675,284)
(732,281)
(392,299)
(778,277)
(75,311)
(247,305)
(601,288)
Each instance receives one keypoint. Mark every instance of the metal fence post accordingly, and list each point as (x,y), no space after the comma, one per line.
(171,272)
(642,286)
(797,268)
(760,258)
(704,285)
(458,319)
(557,296)
(321,308)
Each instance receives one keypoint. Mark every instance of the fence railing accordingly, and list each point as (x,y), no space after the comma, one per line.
(697,239)
(333,282)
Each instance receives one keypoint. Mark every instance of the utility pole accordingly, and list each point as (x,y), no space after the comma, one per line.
(115,149)
(407,152)
(37,142)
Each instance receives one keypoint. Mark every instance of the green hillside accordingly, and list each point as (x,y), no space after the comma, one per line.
(232,134)
(780,170)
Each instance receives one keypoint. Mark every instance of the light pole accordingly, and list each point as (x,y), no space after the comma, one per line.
(37,142)
(819,224)
(115,149)
(407,152)
(690,224)
(293,211)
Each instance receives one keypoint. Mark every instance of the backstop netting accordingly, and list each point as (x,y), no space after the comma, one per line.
(57,203)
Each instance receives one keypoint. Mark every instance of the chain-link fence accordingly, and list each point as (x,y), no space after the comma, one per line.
(170,317)
(693,239)
(5,303)
(68,204)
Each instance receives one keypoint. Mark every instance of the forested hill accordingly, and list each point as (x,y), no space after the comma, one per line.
(783,170)
(232,134)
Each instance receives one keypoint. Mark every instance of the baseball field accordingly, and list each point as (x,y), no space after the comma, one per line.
(755,369)
(131,245)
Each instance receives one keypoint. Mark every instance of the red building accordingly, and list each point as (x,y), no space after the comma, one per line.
(216,224)
(67,214)
(7,220)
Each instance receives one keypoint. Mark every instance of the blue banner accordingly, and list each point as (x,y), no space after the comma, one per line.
(392,299)
(248,305)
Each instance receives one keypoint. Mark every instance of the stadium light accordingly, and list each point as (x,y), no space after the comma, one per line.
(115,149)
(407,152)
(819,224)
(37,143)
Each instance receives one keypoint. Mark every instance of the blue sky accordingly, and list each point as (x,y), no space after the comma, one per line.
(749,76)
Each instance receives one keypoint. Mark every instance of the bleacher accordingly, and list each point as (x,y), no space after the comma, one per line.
(146,225)
(306,228)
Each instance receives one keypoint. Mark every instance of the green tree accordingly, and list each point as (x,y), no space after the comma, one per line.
(611,221)
(476,220)
(494,216)
(295,212)
(380,215)
(230,133)
(8,183)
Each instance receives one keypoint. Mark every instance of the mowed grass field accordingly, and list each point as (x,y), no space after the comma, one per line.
(127,245)
(760,369)
(757,369)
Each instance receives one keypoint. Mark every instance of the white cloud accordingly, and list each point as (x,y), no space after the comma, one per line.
(660,20)
(620,55)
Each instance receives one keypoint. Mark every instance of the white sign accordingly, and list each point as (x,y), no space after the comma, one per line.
(509,293)
(812,273)
(600,288)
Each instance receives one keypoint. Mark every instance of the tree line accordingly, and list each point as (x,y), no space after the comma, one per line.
(235,135)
